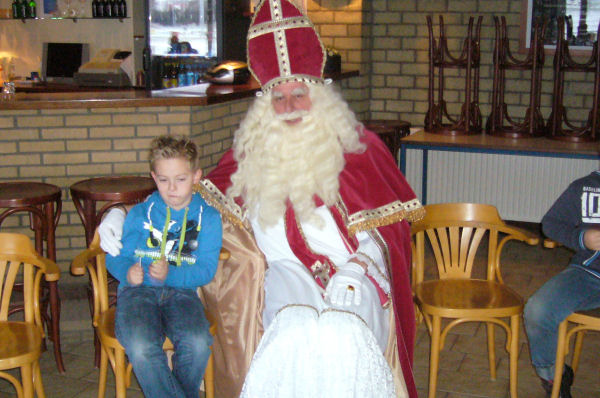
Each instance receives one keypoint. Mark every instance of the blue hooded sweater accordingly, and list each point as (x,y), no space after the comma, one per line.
(190,239)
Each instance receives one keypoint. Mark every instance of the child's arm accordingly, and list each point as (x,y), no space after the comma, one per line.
(207,255)
(120,265)
(562,222)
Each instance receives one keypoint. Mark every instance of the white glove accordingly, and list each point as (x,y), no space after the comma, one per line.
(346,285)
(111,231)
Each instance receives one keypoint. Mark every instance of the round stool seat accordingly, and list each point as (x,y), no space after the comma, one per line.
(390,131)
(19,194)
(125,188)
(121,190)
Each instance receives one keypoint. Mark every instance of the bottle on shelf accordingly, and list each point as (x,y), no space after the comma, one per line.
(23,6)
(190,74)
(16,9)
(182,76)
(107,9)
(100,9)
(31,9)
(197,74)
(94,8)
(166,76)
(174,74)
(122,5)
(115,8)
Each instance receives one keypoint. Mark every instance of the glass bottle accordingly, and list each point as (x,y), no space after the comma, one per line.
(107,9)
(114,9)
(182,76)
(122,8)
(16,10)
(166,76)
(23,6)
(174,73)
(32,9)
(190,75)
(100,9)
(94,8)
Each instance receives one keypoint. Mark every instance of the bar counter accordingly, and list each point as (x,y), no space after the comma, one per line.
(65,97)
(62,135)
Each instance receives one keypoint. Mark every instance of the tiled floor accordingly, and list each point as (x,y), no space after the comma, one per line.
(463,365)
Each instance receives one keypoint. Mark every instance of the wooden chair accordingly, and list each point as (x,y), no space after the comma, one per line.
(21,341)
(455,232)
(93,259)
(576,323)
(109,192)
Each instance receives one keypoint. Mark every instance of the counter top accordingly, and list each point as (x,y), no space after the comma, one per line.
(200,95)
(490,143)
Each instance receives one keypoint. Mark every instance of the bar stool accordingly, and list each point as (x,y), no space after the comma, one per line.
(390,132)
(43,203)
(115,191)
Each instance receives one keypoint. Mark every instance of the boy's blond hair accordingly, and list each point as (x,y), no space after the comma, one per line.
(173,146)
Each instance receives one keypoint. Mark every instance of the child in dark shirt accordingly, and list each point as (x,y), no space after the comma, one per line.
(574,221)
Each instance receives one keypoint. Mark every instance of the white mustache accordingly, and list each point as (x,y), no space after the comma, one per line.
(292,115)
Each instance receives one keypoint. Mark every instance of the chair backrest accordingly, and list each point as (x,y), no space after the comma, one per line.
(20,263)
(93,259)
(455,232)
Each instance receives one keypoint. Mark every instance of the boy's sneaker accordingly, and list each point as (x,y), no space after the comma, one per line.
(565,383)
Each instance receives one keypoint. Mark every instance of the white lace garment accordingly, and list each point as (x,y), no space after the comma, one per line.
(303,354)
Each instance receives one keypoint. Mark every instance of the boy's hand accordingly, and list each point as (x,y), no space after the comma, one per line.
(159,269)
(135,274)
(591,239)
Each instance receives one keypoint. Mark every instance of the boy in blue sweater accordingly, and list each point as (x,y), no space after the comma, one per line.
(574,221)
(171,246)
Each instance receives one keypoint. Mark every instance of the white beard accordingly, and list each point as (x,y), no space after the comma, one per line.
(277,161)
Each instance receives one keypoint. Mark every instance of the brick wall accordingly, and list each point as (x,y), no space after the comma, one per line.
(387,40)
(62,147)
(341,25)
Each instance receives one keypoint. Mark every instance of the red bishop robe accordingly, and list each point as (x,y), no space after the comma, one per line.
(374,195)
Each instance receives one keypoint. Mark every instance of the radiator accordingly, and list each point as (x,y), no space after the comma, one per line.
(522,187)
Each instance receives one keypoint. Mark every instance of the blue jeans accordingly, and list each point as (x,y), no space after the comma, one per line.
(145,315)
(572,290)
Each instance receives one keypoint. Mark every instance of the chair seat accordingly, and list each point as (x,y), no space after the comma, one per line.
(587,317)
(457,298)
(21,344)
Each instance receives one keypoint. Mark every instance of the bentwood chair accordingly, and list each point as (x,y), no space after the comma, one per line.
(93,260)
(575,324)
(106,192)
(43,203)
(21,341)
(455,232)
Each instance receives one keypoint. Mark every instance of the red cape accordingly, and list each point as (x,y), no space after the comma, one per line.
(375,195)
